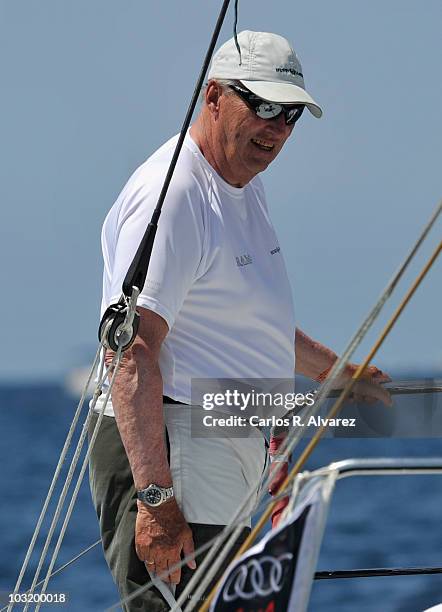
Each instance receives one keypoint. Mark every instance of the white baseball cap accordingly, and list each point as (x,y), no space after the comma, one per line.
(268,67)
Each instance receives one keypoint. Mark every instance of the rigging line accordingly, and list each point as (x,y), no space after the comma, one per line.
(117,359)
(55,476)
(66,485)
(377,571)
(404,387)
(64,566)
(235,35)
(335,409)
(206,572)
(137,272)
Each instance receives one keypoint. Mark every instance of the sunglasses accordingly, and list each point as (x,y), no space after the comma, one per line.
(269,110)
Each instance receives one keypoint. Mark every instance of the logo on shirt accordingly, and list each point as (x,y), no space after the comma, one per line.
(243,260)
(275,251)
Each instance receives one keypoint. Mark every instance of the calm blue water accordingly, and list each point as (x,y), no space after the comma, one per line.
(373,522)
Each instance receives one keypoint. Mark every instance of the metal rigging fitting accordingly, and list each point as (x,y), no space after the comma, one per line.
(120,322)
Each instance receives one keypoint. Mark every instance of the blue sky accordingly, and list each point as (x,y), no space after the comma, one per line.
(90,89)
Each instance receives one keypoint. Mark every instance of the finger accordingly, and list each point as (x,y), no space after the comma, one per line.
(189,549)
(162,570)
(380,394)
(279,473)
(366,399)
(372,390)
(386,398)
(142,552)
(277,511)
(150,566)
(376,374)
(381,377)
(174,575)
(357,397)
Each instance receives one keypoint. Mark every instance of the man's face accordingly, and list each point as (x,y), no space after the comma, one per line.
(249,143)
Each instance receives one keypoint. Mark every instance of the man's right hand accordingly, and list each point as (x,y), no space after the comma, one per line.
(160,535)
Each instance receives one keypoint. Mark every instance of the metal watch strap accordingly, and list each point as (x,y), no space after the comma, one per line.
(168,492)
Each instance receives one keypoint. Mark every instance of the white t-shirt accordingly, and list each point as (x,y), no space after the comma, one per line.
(216,274)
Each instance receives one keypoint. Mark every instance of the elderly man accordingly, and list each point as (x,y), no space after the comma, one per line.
(216,304)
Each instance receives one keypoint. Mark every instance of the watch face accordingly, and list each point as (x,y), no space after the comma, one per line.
(153,496)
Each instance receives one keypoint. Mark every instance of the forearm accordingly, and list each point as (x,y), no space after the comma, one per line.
(312,357)
(137,397)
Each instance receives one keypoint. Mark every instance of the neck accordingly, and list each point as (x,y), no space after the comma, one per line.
(212,149)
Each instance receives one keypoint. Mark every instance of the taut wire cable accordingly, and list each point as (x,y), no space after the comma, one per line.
(102,377)
(114,369)
(235,35)
(70,475)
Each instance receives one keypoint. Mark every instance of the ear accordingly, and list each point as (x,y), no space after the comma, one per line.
(213,94)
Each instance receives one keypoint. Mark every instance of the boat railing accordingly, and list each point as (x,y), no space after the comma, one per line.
(317,487)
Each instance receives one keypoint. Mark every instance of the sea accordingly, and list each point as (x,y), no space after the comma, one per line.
(374,521)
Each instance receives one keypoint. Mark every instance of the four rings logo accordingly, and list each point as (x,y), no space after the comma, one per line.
(258,578)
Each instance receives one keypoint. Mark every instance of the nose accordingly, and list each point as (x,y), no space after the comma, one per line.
(280,125)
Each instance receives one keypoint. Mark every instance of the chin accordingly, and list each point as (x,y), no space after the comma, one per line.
(261,165)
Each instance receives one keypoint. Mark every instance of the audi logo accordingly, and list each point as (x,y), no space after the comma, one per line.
(258,578)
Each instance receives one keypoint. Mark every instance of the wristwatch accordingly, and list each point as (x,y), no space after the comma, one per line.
(154,495)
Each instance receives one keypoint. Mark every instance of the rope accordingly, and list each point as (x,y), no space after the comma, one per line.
(115,365)
(377,571)
(102,376)
(68,481)
(335,409)
(405,387)
(235,35)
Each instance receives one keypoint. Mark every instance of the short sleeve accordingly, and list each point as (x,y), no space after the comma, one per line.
(178,246)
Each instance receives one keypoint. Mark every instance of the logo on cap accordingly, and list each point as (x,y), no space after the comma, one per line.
(291,70)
